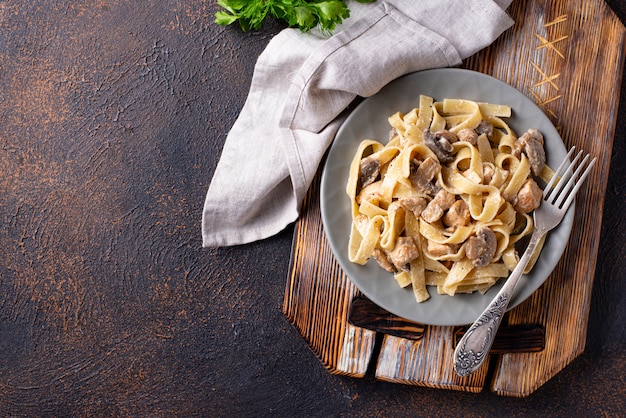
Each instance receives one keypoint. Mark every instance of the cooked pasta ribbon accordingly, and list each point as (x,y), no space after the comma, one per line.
(446,200)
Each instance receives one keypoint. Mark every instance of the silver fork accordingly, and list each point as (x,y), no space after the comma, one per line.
(474,347)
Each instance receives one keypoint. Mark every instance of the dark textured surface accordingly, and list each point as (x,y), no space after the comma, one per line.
(112,117)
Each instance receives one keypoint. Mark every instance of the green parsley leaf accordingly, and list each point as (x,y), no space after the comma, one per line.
(224,19)
(303,14)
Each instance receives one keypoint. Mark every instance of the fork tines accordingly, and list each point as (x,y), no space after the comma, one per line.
(567,180)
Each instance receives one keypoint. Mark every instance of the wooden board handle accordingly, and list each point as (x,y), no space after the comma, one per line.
(510,339)
(366,314)
(529,338)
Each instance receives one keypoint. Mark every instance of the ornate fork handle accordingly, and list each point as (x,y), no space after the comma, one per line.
(557,196)
(476,343)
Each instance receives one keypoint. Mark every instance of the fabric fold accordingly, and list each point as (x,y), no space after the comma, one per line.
(301,85)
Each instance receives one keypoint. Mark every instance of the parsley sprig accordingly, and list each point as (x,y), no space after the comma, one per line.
(302,14)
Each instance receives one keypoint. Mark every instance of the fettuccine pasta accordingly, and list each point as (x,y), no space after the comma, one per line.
(446,199)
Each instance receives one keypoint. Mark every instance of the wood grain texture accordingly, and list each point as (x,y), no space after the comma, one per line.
(366,314)
(587,81)
(425,362)
(113,115)
(551,55)
(318,296)
(510,338)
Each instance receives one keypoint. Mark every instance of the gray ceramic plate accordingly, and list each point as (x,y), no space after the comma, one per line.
(369,121)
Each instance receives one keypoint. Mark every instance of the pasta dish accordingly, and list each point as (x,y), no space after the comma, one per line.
(444,202)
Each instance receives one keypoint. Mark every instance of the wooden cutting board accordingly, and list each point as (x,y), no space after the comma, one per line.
(567,56)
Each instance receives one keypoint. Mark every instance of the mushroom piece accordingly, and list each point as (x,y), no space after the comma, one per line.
(403,253)
(484,127)
(531,143)
(488,172)
(528,197)
(423,173)
(439,145)
(481,247)
(369,169)
(434,210)
(449,136)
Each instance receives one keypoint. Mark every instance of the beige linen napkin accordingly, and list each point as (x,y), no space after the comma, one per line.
(301,84)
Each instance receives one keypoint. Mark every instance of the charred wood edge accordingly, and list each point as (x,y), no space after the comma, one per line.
(524,338)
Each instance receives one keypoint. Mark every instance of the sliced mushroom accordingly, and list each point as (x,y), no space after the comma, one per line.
(369,170)
(534,134)
(434,210)
(484,127)
(423,173)
(481,247)
(531,143)
(403,253)
(449,136)
(440,146)
(528,198)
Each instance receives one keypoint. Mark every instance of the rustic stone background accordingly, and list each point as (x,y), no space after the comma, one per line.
(112,119)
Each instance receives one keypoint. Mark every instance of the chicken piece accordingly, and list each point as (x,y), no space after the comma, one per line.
(369,192)
(403,253)
(528,198)
(468,135)
(481,247)
(488,172)
(415,204)
(434,210)
(436,249)
(383,261)
(457,215)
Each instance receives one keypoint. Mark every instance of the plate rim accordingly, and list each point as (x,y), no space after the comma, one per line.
(348,267)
